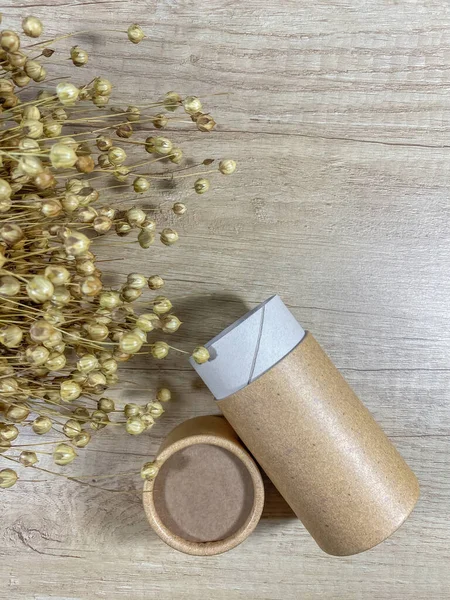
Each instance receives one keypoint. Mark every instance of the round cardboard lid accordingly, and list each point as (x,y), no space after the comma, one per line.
(217,434)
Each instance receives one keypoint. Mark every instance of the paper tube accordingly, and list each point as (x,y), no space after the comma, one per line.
(311,434)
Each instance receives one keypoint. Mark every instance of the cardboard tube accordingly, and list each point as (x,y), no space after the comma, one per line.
(323,451)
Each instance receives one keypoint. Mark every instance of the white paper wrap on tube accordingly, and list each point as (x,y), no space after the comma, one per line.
(249,347)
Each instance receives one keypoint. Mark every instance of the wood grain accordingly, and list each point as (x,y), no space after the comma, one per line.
(338,114)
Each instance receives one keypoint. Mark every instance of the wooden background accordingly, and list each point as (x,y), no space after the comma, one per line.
(338,114)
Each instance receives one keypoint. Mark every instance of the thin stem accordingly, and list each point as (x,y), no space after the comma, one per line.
(68,35)
(62,475)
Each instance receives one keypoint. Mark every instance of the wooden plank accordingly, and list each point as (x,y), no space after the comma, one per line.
(78,543)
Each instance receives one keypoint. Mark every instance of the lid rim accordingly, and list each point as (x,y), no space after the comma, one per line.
(217,546)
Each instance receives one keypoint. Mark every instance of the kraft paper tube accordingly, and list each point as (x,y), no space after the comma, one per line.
(308,430)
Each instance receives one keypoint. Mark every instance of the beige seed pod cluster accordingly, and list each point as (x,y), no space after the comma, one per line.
(63,332)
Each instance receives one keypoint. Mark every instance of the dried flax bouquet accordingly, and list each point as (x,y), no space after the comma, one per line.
(66,181)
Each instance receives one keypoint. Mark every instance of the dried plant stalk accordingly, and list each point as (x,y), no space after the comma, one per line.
(66,181)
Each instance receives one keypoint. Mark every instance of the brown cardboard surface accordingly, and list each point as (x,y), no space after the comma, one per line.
(208,495)
(203,493)
(323,451)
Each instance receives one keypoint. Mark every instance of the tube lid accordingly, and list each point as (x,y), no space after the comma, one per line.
(249,347)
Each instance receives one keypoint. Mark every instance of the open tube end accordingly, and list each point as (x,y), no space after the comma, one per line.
(249,347)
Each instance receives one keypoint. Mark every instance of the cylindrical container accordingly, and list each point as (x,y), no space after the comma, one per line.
(307,429)
(208,494)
